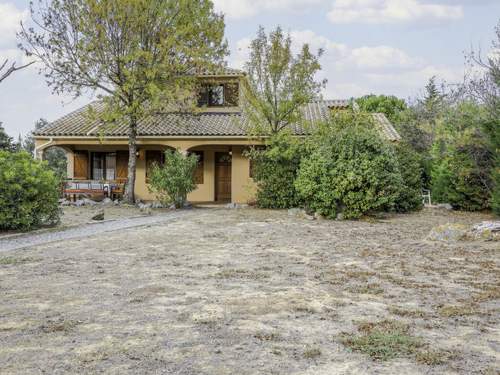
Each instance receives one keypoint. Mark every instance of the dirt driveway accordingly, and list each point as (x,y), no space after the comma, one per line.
(254,292)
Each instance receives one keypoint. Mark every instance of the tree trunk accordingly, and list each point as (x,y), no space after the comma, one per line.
(132,161)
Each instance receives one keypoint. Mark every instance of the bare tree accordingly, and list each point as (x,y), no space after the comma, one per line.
(6,68)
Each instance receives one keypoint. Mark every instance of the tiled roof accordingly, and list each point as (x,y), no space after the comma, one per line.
(214,124)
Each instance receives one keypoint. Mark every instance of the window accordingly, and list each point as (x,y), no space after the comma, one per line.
(211,96)
(153,157)
(103,166)
(198,173)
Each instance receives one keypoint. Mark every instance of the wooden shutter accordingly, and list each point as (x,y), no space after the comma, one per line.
(81,165)
(231,94)
(121,165)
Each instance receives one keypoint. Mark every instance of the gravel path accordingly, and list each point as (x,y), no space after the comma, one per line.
(28,240)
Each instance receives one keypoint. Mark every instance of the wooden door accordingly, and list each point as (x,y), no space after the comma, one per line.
(121,165)
(222,177)
(81,165)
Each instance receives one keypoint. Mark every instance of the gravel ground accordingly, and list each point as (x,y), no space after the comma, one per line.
(250,291)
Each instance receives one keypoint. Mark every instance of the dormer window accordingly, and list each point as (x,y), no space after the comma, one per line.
(211,96)
(219,95)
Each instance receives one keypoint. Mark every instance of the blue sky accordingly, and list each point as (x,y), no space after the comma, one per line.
(371,46)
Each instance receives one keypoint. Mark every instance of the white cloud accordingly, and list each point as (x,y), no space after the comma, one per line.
(10,18)
(391,11)
(356,71)
(238,9)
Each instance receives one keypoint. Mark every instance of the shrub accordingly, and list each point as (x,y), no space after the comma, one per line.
(29,192)
(172,181)
(463,176)
(351,170)
(410,167)
(275,169)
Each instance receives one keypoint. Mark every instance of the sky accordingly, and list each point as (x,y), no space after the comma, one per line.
(371,46)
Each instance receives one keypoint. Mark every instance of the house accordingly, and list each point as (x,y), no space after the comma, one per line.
(98,156)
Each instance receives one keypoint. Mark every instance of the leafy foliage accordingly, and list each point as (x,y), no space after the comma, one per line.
(172,181)
(279,83)
(410,167)
(350,171)
(5,140)
(143,54)
(391,106)
(275,170)
(29,192)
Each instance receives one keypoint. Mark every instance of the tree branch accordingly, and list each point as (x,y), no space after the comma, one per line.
(11,69)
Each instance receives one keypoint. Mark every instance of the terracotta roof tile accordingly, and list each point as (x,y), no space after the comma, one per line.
(77,123)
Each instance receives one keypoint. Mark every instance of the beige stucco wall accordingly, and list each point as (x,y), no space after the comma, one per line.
(242,186)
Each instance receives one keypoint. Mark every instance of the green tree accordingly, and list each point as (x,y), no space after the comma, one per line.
(279,82)
(172,181)
(351,170)
(5,140)
(142,55)
(29,192)
(391,106)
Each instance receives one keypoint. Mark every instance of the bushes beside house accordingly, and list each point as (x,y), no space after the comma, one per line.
(172,181)
(29,192)
(275,168)
(344,168)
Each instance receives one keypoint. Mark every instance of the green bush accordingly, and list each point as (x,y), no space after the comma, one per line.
(351,170)
(174,179)
(410,167)
(463,177)
(275,169)
(29,192)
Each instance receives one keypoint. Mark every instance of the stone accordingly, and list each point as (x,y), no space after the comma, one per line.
(106,201)
(444,206)
(300,213)
(340,216)
(144,206)
(89,202)
(99,215)
(188,205)
(64,202)
(79,203)
(236,205)
(157,204)
(116,202)
(486,230)
(448,232)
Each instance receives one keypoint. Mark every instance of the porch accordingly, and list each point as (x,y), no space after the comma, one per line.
(222,175)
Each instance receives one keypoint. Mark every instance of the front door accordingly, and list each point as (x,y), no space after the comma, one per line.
(223,177)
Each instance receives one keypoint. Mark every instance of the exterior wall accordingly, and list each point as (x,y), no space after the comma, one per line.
(242,186)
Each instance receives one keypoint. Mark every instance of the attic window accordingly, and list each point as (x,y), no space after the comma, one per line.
(211,96)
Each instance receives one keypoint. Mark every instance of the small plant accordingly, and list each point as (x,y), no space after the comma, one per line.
(174,180)
(383,340)
(432,357)
(14,261)
(451,311)
(413,313)
(312,353)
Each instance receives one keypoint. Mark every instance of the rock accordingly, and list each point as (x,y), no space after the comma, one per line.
(99,215)
(188,205)
(88,202)
(300,213)
(448,232)
(64,202)
(79,203)
(340,216)
(445,206)
(486,230)
(157,204)
(236,205)
(106,201)
(144,206)
(116,202)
